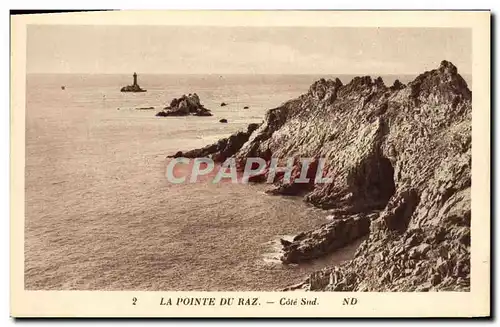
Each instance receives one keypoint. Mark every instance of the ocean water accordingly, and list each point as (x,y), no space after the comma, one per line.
(100,215)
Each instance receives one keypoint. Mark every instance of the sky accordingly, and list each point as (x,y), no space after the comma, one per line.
(101,49)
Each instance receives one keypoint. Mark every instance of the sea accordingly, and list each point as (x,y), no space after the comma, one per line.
(100,214)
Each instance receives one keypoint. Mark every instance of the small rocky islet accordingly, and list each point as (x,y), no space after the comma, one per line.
(186,105)
(189,105)
(400,160)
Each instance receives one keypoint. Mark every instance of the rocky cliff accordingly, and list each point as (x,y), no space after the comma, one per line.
(400,159)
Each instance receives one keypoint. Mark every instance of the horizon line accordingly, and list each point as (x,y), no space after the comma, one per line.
(235,74)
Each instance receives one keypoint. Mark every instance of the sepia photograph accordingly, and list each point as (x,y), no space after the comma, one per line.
(290,159)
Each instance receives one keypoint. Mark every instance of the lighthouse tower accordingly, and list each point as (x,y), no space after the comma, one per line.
(134,87)
(135,79)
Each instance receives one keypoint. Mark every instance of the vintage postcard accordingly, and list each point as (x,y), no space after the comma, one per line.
(250,164)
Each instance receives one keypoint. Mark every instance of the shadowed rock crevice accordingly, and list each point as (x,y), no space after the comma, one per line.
(372,182)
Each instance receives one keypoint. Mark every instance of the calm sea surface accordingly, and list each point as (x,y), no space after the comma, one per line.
(101,215)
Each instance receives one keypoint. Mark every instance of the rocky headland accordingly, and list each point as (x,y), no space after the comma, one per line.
(184,106)
(400,160)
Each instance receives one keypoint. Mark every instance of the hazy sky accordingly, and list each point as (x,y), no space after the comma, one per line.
(242,50)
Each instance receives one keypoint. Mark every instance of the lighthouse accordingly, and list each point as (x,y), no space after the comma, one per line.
(134,87)
(135,79)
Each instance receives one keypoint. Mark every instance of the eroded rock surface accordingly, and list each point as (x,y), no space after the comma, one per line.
(400,160)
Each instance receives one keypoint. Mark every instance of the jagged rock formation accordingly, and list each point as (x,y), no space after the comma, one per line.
(184,106)
(400,160)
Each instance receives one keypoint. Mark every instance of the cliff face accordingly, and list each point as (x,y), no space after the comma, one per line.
(400,159)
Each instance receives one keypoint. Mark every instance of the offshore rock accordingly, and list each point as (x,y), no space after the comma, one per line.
(132,88)
(400,161)
(184,106)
